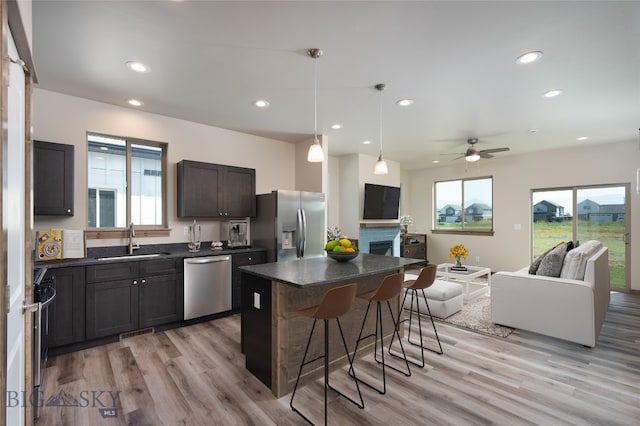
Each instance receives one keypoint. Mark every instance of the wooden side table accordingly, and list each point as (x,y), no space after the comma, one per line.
(414,246)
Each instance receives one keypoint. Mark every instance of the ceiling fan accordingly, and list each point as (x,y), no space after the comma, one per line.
(473,153)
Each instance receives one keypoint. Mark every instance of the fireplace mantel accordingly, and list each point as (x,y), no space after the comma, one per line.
(379,225)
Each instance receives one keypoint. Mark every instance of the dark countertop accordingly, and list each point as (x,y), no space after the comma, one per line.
(168,251)
(317,271)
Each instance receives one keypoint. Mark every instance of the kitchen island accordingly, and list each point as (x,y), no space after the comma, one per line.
(274,336)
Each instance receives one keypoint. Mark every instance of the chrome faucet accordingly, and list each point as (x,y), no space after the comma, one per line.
(132,233)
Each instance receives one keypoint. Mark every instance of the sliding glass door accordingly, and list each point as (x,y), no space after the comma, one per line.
(585,213)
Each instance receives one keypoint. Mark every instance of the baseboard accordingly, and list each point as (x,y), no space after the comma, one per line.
(635,292)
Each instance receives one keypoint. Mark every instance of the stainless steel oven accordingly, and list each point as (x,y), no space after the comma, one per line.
(44,293)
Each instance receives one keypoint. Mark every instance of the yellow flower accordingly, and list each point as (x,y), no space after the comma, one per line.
(458,250)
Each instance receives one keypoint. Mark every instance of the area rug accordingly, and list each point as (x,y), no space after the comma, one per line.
(476,316)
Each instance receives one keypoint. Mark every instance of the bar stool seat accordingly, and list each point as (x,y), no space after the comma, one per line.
(335,303)
(389,288)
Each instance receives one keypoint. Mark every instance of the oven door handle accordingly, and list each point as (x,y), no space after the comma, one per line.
(49,300)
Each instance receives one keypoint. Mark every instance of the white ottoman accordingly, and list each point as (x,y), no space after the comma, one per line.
(445,298)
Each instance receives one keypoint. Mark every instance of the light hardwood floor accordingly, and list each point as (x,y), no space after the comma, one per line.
(195,376)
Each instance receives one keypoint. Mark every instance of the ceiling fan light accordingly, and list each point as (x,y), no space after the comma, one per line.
(471,157)
(381,167)
(315,154)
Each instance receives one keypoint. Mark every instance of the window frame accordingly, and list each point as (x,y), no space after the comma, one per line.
(161,229)
(462,230)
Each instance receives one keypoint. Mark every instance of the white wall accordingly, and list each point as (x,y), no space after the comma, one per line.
(67,119)
(513,179)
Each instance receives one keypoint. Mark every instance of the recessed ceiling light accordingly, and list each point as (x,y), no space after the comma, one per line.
(366,142)
(533,130)
(405,102)
(336,126)
(137,66)
(552,93)
(583,138)
(436,161)
(261,103)
(135,102)
(529,57)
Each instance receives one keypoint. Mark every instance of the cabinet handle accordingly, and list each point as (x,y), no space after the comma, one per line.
(250,259)
(135,282)
(219,213)
(144,281)
(68,210)
(226,214)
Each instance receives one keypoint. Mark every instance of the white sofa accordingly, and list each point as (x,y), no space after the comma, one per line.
(564,308)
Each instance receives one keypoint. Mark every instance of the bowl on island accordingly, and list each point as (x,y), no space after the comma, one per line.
(343,256)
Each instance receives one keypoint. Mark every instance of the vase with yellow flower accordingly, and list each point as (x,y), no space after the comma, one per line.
(458,252)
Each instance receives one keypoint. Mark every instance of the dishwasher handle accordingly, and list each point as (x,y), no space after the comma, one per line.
(212,259)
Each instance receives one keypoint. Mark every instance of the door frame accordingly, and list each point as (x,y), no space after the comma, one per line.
(11,19)
(574,225)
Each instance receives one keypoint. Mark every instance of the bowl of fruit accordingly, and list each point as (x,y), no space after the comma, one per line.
(342,250)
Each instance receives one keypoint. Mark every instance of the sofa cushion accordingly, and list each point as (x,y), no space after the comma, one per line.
(551,264)
(533,268)
(575,262)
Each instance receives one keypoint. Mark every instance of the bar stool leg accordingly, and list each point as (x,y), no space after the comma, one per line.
(327,385)
(379,332)
(421,345)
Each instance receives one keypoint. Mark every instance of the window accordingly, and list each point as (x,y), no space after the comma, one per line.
(464,205)
(112,163)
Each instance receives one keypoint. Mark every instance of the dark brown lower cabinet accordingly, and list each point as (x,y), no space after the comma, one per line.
(151,296)
(67,312)
(112,308)
(243,259)
(161,300)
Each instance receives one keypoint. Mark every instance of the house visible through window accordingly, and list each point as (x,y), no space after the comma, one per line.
(113,162)
(464,205)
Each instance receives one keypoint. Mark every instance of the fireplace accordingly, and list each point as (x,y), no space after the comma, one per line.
(384,235)
(384,248)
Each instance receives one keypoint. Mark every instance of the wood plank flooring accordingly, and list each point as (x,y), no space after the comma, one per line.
(195,376)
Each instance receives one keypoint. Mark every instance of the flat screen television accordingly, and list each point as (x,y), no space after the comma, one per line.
(381,201)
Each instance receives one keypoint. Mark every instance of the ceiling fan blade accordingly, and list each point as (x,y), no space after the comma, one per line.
(484,154)
(452,153)
(457,158)
(492,150)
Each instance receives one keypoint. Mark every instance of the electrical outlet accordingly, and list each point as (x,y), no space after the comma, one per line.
(186,230)
(477,259)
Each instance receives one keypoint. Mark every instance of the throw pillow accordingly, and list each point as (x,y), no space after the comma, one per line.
(533,268)
(575,262)
(551,264)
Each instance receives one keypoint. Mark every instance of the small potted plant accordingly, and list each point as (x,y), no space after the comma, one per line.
(405,221)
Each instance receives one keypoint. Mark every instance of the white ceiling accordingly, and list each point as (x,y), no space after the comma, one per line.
(210,60)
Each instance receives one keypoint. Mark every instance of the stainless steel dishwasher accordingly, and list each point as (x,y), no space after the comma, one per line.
(207,286)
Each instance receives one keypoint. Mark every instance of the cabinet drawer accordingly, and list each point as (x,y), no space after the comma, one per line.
(417,252)
(160,267)
(112,271)
(253,258)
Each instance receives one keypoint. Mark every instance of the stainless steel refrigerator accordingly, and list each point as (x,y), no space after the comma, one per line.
(290,225)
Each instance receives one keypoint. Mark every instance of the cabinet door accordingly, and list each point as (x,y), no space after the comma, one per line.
(67,311)
(161,300)
(239,192)
(242,259)
(53,178)
(112,307)
(198,185)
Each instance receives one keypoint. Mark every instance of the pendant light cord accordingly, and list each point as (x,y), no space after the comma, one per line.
(380,123)
(315,101)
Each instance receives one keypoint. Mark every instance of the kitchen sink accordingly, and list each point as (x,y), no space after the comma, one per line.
(132,256)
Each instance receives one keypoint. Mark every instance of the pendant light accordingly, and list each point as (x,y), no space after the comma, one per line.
(315,154)
(381,165)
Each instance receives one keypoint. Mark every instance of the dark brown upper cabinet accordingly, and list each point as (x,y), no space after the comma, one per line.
(215,190)
(53,178)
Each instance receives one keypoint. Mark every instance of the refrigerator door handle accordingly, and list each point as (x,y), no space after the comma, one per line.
(299,231)
(304,233)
